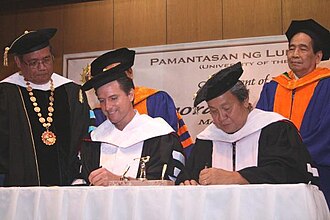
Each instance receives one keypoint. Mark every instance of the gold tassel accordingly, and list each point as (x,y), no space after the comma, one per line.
(86,74)
(195,109)
(5,56)
(81,97)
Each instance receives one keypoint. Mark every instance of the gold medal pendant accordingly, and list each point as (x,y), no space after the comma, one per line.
(48,137)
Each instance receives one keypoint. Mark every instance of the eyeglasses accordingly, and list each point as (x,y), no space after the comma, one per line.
(35,63)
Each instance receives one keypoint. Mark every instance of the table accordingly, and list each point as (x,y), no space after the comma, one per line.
(255,201)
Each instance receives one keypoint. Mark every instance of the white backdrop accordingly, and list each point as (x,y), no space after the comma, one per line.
(180,69)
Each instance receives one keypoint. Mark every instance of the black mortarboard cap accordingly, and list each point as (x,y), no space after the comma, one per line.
(316,31)
(103,70)
(219,83)
(30,41)
(122,57)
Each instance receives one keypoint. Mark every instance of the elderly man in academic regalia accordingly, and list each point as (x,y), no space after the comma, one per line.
(302,94)
(41,118)
(245,145)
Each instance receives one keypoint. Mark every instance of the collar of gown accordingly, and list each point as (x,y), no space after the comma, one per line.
(18,79)
(257,119)
(140,128)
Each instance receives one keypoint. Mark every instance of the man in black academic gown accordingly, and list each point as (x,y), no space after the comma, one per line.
(117,146)
(245,145)
(41,118)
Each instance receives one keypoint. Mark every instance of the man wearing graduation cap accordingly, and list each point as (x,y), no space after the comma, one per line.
(41,118)
(148,101)
(245,145)
(116,146)
(302,94)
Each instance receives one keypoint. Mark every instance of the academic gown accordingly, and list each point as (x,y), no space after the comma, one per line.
(24,159)
(163,148)
(271,152)
(151,102)
(315,117)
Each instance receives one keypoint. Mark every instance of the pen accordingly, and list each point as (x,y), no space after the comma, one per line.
(163,171)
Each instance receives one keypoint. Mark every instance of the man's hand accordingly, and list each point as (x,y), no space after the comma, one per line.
(189,182)
(213,176)
(101,177)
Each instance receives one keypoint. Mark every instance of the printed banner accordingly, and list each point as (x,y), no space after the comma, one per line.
(181,69)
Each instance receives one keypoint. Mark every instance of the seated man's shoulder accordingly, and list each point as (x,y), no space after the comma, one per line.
(281,125)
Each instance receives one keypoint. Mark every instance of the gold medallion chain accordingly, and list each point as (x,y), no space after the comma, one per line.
(47,137)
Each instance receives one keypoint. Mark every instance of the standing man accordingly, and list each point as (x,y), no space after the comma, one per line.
(41,118)
(303,93)
(148,101)
(126,135)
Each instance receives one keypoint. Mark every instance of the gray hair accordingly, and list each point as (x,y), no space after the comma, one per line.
(240,91)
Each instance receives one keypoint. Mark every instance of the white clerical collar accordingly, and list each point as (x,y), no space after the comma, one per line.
(140,128)
(257,119)
(18,79)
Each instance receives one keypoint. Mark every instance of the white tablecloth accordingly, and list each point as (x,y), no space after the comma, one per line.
(298,201)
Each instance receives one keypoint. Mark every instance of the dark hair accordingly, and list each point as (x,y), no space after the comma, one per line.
(20,56)
(126,84)
(316,44)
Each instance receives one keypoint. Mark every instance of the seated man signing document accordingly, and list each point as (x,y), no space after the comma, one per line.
(245,145)
(117,145)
